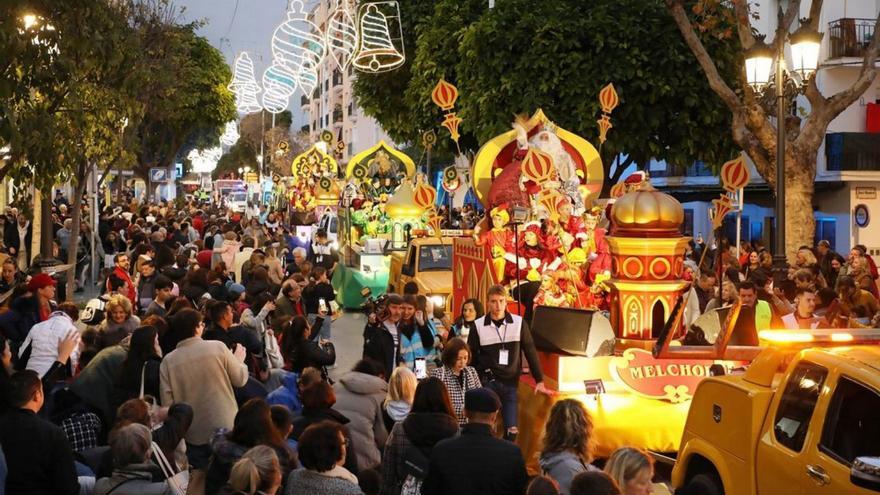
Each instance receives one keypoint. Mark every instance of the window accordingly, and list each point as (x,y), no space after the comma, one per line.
(797,404)
(435,258)
(826,229)
(687,228)
(852,427)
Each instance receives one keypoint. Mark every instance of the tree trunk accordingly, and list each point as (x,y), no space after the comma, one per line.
(47,232)
(800,225)
(76,220)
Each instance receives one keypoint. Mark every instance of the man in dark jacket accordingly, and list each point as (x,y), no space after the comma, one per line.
(476,462)
(381,338)
(38,454)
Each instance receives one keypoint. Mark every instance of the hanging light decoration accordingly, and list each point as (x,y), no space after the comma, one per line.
(230,134)
(298,40)
(279,84)
(244,84)
(342,34)
(205,161)
(377,51)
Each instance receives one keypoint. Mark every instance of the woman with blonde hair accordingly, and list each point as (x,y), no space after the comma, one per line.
(118,323)
(398,401)
(257,472)
(567,444)
(729,297)
(632,469)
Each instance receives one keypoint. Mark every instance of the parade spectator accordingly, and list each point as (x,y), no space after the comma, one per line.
(318,399)
(322,452)
(566,450)
(825,255)
(256,472)
(10,276)
(632,469)
(40,348)
(417,341)
(273,265)
(457,375)
(132,469)
(29,309)
(542,485)
(594,483)
(120,271)
(202,374)
(803,317)
(223,329)
(318,295)
(754,315)
(146,283)
(139,374)
(381,337)
(705,289)
(228,249)
(300,351)
(162,287)
(17,239)
(299,257)
(239,259)
(408,449)
(498,343)
(290,303)
(323,253)
(856,301)
(471,309)
(729,297)
(41,462)
(476,462)
(399,399)
(119,322)
(359,397)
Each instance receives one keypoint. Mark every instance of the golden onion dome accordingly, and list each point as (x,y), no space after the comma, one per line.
(401,205)
(646,212)
(327,191)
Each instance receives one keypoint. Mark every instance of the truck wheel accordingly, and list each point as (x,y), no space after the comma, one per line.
(704,484)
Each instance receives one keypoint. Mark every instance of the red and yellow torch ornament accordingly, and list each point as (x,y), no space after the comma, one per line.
(734,178)
(537,166)
(424,197)
(444,96)
(720,208)
(608,100)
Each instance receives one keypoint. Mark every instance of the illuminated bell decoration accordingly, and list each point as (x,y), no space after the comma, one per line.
(377,51)
(734,174)
(424,196)
(537,166)
(342,35)
(451,122)
(230,133)
(444,95)
(244,84)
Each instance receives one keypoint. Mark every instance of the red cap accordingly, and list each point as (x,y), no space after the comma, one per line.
(40,280)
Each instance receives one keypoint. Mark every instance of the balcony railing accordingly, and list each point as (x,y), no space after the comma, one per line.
(337,115)
(852,151)
(850,37)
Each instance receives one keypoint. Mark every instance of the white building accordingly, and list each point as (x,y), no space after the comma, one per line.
(332,106)
(848,164)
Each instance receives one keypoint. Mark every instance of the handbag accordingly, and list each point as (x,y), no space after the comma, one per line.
(177,482)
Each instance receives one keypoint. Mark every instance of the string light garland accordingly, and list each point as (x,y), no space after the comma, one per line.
(244,84)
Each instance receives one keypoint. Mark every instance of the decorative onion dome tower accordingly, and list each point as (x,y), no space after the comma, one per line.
(647,260)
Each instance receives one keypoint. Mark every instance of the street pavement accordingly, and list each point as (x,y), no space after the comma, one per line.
(348,338)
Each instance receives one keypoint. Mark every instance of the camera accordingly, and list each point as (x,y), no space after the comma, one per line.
(372,305)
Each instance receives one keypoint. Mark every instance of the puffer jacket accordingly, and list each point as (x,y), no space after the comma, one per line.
(563,467)
(359,397)
(134,479)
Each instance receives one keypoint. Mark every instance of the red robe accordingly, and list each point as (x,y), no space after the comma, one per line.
(505,187)
(129,290)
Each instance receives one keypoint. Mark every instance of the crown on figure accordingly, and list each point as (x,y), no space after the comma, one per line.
(550,127)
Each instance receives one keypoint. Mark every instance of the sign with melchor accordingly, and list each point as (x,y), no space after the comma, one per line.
(668,379)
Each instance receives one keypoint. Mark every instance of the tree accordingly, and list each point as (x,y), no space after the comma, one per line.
(241,154)
(184,94)
(524,55)
(752,128)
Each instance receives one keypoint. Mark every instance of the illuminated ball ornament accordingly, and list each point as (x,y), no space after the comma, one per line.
(279,83)
(244,84)
(378,52)
(424,196)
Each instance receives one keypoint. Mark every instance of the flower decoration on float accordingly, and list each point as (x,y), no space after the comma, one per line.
(378,50)
(608,100)
(444,96)
(244,84)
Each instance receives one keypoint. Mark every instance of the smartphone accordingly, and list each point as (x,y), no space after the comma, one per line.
(421,368)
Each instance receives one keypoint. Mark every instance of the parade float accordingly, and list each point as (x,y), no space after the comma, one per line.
(309,170)
(599,278)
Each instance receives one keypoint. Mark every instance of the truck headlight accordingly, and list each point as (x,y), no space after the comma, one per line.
(438,301)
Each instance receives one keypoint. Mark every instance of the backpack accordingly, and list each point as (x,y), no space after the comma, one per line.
(416,463)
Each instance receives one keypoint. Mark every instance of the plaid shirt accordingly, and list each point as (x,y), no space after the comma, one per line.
(457,386)
(81,430)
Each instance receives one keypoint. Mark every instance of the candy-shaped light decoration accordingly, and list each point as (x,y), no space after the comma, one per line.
(734,174)
(435,222)
(424,196)
(298,40)
(244,85)
(279,83)
(608,98)
(230,133)
(342,34)
(451,122)
(444,95)
(377,51)
(537,166)
(308,77)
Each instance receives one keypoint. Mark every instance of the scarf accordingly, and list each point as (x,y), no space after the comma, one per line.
(340,472)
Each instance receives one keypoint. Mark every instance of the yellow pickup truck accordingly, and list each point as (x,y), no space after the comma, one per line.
(428,262)
(803,419)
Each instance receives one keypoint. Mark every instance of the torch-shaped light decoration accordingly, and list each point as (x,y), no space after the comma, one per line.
(444,96)
(608,99)
(617,190)
(424,197)
(550,200)
(537,166)
(734,174)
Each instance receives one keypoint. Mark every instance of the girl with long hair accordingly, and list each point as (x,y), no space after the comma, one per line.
(566,449)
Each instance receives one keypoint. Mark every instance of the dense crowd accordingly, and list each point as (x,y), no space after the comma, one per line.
(203,368)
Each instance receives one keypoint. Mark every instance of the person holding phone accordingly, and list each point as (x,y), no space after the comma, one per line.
(417,341)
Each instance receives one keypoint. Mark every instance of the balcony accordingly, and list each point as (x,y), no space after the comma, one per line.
(304,101)
(337,116)
(849,38)
(852,151)
(337,80)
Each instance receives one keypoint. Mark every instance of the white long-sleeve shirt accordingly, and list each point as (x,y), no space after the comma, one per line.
(43,339)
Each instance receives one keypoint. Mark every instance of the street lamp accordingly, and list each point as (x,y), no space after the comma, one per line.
(805,44)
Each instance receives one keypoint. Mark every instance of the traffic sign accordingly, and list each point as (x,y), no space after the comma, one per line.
(158,174)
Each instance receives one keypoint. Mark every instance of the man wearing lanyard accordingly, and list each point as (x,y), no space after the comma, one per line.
(497,344)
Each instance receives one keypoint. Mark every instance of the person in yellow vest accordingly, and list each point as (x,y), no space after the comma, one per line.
(746,330)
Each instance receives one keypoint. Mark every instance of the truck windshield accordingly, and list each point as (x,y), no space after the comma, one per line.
(435,258)
(239,197)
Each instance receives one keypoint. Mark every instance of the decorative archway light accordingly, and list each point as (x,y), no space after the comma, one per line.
(342,34)
(379,51)
(204,161)
(279,84)
(230,134)
(244,84)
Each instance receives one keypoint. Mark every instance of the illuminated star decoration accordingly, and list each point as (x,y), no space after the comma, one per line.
(230,134)
(244,85)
